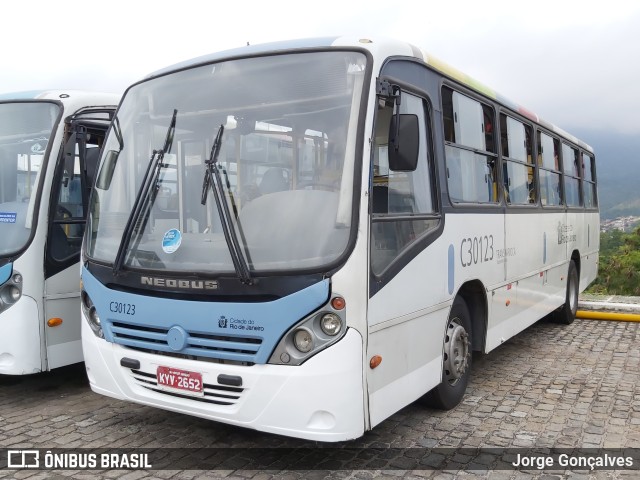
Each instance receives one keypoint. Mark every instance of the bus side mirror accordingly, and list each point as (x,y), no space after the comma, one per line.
(404,142)
(106,170)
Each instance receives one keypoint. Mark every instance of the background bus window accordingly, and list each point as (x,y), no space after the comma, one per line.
(589,180)
(548,159)
(518,168)
(401,202)
(571,168)
(470,149)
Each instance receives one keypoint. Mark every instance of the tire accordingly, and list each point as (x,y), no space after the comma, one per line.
(566,314)
(457,347)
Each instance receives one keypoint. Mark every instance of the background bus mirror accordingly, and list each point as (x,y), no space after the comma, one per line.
(106,170)
(404,140)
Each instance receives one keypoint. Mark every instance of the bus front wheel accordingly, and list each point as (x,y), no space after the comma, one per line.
(456,362)
(566,314)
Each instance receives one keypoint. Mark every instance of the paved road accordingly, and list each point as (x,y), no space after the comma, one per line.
(550,386)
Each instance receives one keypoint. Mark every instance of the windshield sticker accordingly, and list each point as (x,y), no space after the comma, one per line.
(8,217)
(171,240)
(37,148)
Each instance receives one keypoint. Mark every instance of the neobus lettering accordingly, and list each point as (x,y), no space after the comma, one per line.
(178,283)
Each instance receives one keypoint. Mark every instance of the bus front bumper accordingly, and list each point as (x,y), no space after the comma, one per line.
(322,399)
(20,350)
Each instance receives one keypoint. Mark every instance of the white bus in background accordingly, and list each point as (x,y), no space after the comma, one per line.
(49,148)
(303,238)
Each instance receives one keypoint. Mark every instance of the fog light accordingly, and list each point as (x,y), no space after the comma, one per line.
(331,324)
(17,278)
(303,340)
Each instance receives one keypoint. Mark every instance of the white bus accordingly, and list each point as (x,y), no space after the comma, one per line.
(49,149)
(303,238)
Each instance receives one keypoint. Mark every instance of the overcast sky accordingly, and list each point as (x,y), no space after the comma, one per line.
(574,63)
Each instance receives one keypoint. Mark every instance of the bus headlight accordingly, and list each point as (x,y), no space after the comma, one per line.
(331,324)
(11,291)
(91,314)
(303,340)
(312,334)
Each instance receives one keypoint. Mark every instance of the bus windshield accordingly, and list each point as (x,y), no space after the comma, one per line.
(25,131)
(282,130)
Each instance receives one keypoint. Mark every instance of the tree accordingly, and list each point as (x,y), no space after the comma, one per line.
(619,264)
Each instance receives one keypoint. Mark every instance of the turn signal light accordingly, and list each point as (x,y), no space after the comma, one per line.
(338,303)
(54,322)
(375,361)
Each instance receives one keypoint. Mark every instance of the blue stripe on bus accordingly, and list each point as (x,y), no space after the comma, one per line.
(451,269)
(5,272)
(242,332)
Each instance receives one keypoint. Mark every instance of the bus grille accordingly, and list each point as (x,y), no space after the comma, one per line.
(214,394)
(220,347)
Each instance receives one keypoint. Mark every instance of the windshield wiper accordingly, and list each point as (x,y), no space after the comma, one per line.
(137,220)
(213,180)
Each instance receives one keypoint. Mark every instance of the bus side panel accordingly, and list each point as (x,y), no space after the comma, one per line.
(411,365)
(408,316)
(62,300)
(537,266)
(589,237)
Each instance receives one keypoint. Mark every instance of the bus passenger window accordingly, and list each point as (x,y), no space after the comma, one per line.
(589,181)
(550,186)
(571,168)
(470,149)
(518,167)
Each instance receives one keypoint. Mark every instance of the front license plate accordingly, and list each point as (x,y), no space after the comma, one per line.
(184,381)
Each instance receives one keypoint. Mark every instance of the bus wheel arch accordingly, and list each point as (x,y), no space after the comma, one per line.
(464,333)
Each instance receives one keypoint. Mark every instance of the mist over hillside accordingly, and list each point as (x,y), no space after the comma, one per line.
(618,171)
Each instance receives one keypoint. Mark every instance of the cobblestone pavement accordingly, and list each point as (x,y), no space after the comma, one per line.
(550,386)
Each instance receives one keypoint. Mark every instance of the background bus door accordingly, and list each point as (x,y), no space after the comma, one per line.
(68,206)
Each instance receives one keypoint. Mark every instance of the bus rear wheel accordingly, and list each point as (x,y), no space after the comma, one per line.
(566,314)
(456,363)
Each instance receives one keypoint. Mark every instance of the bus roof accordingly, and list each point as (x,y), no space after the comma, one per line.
(98,98)
(380,48)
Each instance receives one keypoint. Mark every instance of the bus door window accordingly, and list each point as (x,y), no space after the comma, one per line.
(71,191)
(470,149)
(402,203)
(548,160)
(571,169)
(518,168)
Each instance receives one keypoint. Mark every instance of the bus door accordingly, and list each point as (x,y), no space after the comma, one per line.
(402,328)
(73,180)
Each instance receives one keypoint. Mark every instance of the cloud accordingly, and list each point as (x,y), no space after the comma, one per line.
(574,63)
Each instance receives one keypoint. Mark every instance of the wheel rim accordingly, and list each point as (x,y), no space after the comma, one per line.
(456,352)
(573,294)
